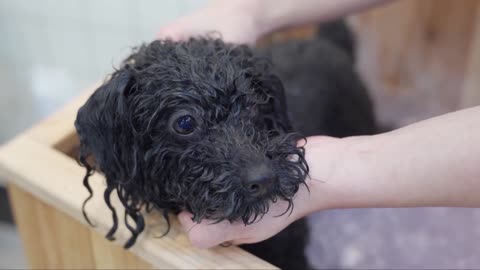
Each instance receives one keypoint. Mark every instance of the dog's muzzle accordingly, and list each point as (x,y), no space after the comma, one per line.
(259,180)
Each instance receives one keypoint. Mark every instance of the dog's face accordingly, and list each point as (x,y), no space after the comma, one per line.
(198,125)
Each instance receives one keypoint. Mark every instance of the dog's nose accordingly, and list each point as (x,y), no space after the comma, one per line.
(260,180)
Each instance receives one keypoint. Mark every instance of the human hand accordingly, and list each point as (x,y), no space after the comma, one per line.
(208,234)
(233,20)
(244,21)
(321,152)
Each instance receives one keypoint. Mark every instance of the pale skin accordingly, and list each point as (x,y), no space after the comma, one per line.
(435,162)
(244,21)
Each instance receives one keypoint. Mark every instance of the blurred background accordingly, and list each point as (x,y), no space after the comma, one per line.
(51,51)
(415,67)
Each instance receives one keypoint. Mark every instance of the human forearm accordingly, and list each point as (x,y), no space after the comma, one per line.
(274,14)
(244,21)
(432,163)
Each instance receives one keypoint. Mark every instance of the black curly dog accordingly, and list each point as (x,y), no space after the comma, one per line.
(206,126)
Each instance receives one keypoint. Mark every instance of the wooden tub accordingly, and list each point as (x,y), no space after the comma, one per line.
(413,50)
(46,192)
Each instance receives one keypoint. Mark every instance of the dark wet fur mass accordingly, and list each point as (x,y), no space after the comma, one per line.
(238,124)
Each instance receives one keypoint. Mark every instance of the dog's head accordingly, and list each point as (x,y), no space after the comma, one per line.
(199,125)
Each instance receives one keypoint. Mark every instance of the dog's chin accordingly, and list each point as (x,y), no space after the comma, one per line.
(247,212)
(238,207)
(229,201)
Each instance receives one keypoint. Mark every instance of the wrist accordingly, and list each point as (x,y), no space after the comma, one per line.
(323,155)
(243,19)
(340,170)
(259,17)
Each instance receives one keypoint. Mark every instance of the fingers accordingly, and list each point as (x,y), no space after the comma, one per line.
(233,24)
(170,32)
(205,234)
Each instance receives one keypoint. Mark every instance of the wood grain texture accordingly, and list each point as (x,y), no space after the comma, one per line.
(414,54)
(471,90)
(55,178)
(46,232)
(424,55)
(23,206)
(109,256)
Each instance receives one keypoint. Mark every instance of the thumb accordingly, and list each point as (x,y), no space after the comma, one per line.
(205,234)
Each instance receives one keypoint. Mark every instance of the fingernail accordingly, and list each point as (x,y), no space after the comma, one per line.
(226,244)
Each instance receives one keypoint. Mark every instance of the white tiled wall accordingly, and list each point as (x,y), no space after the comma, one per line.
(52,49)
(83,37)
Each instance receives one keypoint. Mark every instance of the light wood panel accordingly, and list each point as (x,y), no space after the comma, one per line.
(54,178)
(471,90)
(46,232)
(108,256)
(413,51)
(414,55)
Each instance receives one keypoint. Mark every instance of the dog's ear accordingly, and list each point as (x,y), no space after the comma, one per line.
(121,83)
(274,88)
(101,127)
(99,121)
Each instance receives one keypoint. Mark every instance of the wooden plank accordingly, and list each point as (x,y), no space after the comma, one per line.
(51,239)
(292,33)
(413,56)
(471,89)
(110,256)
(55,179)
(59,242)
(23,206)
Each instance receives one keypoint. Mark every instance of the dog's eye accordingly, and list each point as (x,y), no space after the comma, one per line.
(184,125)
